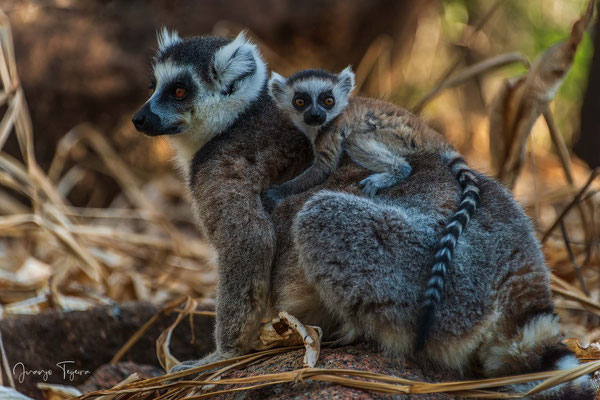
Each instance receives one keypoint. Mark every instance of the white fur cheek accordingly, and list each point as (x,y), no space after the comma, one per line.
(297,117)
(337,110)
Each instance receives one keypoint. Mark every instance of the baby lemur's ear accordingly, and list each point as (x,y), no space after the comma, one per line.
(277,85)
(166,38)
(346,80)
(234,62)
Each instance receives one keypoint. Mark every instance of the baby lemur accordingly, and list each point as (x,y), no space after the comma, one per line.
(314,101)
(377,137)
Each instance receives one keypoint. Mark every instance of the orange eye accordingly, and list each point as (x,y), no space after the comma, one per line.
(180,93)
(328,101)
(299,102)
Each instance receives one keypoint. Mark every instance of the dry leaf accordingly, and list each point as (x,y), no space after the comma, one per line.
(165,358)
(287,330)
(522,100)
(135,377)
(32,305)
(58,392)
(589,352)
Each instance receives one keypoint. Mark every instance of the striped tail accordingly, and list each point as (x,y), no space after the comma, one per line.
(469,201)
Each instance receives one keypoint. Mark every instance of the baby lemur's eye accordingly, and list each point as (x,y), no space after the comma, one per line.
(300,101)
(328,101)
(180,93)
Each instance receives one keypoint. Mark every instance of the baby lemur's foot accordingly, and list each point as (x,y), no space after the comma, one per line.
(208,359)
(383,180)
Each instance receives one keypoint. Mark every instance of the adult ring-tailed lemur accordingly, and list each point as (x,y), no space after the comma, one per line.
(356,266)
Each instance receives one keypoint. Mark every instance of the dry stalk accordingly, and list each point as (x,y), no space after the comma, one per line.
(378,382)
(482,67)
(377,52)
(446,75)
(575,200)
(5,365)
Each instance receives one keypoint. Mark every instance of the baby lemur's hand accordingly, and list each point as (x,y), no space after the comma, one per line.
(271,198)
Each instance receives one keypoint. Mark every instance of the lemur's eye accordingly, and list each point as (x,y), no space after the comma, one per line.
(328,101)
(180,93)
(299,102)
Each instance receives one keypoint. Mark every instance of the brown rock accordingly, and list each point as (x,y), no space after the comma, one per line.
(109,375)
(358,357)
(89,339)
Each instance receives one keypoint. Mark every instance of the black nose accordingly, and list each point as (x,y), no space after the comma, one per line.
(147,122)
(314,117)
(138,121)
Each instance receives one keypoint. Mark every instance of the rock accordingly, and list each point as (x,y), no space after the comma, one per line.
(110,375)
(358,357)
(66,347)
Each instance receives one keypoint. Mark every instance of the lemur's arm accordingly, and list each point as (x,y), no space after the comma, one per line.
(314,175)
(227,202)
(317,173)
(327,153)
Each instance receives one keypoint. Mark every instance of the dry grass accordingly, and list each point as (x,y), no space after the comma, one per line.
(176,385)
(54,255)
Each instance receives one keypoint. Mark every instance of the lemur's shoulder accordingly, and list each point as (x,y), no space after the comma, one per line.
(261,137)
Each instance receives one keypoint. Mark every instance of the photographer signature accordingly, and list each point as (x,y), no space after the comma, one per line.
(21,372)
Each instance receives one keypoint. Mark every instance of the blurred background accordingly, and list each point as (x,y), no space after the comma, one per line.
(88,62)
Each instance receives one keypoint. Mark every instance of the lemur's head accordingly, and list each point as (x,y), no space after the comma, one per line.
(200,85)
(312,97)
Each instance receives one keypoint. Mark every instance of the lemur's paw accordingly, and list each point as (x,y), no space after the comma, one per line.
(271,198)
(376,182)
(208,359)
(404,170)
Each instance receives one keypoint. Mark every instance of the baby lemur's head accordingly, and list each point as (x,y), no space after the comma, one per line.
(312,98)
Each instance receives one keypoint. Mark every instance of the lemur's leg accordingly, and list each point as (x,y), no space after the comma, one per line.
(360,256)
(375,156)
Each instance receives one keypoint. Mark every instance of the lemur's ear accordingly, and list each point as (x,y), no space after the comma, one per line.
(346,80)
(277,85)
(234,61)
(166,38)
